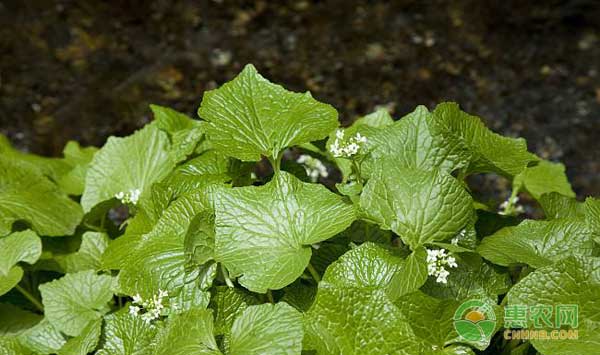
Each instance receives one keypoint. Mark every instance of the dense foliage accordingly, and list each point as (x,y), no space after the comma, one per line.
(230,235)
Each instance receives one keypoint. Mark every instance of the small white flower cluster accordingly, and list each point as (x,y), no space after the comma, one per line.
(510,206)
(346,149)
(436,260)
(149,309)
(313,166)
(460,235)
(129,197)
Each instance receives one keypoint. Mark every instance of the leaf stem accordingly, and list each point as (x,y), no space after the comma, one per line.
(313,272)
(30,297)
(356,169)
(226,277)
(270,296)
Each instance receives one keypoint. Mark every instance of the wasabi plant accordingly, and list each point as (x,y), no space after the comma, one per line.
(263,227)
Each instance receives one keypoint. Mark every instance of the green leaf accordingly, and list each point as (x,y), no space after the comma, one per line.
(416,141)
(371,266)
(89,255)
(124,164)
(190,333)
(249,117)
(545,177)
(126,334)
(264,233)
(43,338)
(27,195)
(538,243)
(490,152)
(11,279)
(185,133)
(420,206)
(75,300)
(17,247)
(572,281)
(157,260)
(228,304)
(14,320)
(473,278)
(267,329)
(12,346)
(556,205)
(86,342)
(73,182)
(52,168)
(353,312)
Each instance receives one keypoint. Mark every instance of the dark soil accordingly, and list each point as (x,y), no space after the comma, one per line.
(87,69)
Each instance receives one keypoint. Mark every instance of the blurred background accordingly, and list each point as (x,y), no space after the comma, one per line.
(85,69)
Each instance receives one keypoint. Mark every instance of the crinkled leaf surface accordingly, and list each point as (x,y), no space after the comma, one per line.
(125,334)
(264,233)
(574,280)
(189,333)
(89,255)
(27,195)
(75,300)
(23,246)
(43,338)
(415,141)
(267,329)
(538,243)
(545,177)
(353,313)
(185,133)
(556,205)
(473,278)
(249,117)
(86,342)
(490,152)
(228,303)
(124,164)
(420,206)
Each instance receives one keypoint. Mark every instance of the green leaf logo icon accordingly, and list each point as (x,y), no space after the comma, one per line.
(475,320)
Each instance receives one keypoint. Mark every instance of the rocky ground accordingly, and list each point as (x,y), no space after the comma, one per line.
(87,69)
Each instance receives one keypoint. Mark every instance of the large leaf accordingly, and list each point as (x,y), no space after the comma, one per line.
(264,233)
(130,163)
(127,334)
(27,195)
(43,338)
(7,282)
(572,281)
(249,117)
(353,312)
(86,342)
(420,206)
(75,300)
(189,333)
(545,177)
(490,152)
(17,247)
(538,243)
(89,255)
(184,132)
(267,329)
(371,266)
(415,141)
(14,320)
(73,182)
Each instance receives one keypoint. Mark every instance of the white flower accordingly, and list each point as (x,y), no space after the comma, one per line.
(313,166)
(151,308)
(510,206)
(134,310)
(346,149)
(437,259)
(132,196)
